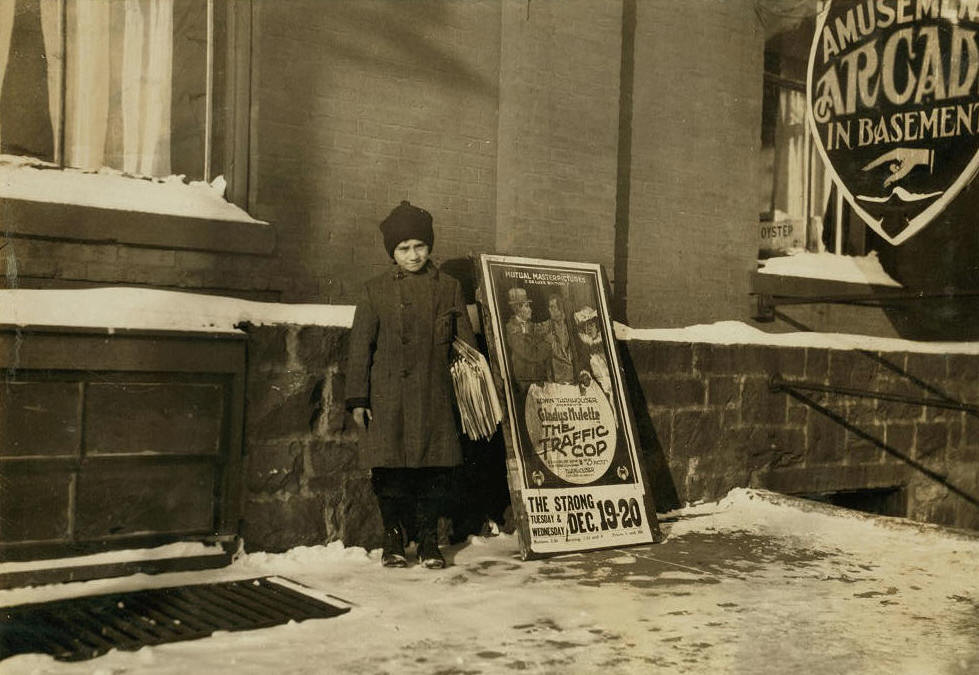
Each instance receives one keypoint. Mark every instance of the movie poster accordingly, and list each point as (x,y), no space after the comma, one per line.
(575,479)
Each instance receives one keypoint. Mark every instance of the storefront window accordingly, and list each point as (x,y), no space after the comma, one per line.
(130,86)
(799,207)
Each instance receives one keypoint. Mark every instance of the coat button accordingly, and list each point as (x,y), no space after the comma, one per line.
(405,372)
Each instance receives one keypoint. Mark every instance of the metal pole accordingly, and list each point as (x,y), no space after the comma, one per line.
(209,91)
(838,247)
(778,383)
(62,104)
(874,299)
(807,163)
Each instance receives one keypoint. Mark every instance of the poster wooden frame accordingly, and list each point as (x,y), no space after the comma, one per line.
(568,491)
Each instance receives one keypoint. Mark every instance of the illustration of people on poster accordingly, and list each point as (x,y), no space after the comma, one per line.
(578,477)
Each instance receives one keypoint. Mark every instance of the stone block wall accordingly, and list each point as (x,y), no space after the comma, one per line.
(707,419)
(711,421)
(302,483)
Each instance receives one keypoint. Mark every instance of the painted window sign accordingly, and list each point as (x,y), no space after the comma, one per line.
(575,478)
(893,95)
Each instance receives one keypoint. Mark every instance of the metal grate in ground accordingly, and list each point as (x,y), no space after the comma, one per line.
(86,627)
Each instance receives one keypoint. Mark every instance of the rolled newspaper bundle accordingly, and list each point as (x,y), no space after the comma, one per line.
(479,407)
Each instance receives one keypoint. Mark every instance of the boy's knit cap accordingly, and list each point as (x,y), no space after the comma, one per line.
(406,222)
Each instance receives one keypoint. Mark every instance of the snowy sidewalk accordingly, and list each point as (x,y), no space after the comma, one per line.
(752,584)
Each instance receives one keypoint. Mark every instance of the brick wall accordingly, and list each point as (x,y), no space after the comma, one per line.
(504,120)
(366,104)
(508,121)
(625,132)
(712,421)
(695,144)
(361,105)
(42,263)
(559,107)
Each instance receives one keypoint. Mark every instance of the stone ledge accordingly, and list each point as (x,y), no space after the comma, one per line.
(91,224)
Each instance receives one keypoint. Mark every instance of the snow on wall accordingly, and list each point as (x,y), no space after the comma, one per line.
(183,549)
(150,309)
(31,180)
(740,333)
(855,269)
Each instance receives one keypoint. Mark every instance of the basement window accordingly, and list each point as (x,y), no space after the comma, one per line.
(888,501)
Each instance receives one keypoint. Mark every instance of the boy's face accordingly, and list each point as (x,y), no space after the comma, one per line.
(411,255)
(554,308)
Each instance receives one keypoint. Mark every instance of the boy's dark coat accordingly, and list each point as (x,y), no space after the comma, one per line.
(398,366)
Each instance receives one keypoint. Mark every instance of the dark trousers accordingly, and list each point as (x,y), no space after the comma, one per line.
(411,497)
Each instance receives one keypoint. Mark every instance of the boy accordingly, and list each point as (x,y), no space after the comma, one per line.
(399,388)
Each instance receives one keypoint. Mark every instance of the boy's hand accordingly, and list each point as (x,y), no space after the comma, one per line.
(362,416)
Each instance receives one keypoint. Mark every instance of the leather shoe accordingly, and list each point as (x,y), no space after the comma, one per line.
(429,555)
(393,553)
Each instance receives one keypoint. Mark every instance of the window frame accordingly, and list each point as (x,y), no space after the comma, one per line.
(238,81)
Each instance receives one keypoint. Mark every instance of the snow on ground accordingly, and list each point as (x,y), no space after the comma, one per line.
(33,180)
(855,269)
(755,583)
